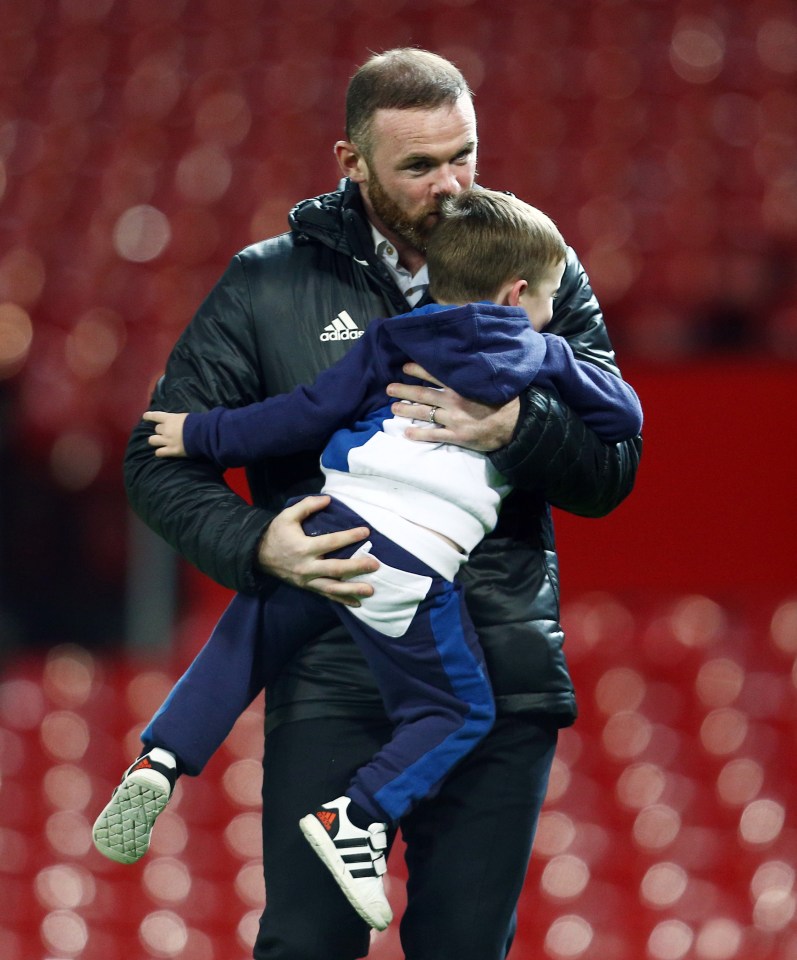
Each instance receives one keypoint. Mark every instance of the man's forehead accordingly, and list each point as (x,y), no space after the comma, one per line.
(424,130)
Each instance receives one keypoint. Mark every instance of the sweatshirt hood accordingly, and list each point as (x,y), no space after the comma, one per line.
(502,349)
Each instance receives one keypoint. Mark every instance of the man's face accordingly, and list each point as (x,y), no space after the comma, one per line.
(418,157)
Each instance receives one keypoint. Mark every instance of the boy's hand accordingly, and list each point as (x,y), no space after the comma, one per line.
(168,436)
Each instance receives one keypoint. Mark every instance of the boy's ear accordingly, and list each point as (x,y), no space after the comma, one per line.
(514,292)
(351,161)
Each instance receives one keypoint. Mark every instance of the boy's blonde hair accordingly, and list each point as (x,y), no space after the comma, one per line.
(485,239)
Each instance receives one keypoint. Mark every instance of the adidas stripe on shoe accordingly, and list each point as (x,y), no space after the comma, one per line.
(354,857)
(122,831)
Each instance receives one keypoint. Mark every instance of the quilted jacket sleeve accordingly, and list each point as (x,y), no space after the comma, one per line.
(553,453)
(187,502)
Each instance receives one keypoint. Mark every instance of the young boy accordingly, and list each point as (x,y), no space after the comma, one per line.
(495,264)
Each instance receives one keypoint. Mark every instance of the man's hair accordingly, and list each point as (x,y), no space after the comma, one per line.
(485,239)
(402,79)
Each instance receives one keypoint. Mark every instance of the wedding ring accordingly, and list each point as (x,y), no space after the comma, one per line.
(432,414)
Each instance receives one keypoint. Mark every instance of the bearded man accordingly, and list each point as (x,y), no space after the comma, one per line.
(284,310)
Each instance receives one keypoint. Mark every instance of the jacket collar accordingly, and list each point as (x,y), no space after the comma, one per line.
(338,221)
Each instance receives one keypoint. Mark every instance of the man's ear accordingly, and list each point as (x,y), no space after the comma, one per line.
(351,161)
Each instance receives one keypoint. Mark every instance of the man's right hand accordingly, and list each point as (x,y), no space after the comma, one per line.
(288,553)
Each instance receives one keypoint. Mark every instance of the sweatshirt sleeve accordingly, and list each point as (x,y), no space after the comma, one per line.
(605,402)
(302,419)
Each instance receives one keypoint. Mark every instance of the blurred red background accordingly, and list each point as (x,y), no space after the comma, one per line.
(143,142)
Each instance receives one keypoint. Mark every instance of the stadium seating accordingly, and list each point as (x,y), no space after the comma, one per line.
(666,832)
(142,143)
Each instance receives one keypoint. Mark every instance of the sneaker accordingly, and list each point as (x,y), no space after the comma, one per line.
(354,857)
(123,829)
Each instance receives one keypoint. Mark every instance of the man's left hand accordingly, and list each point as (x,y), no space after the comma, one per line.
(464,423)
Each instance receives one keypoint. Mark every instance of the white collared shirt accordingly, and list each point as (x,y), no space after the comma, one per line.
(413,287)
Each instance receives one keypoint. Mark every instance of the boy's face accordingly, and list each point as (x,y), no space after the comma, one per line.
(538,301)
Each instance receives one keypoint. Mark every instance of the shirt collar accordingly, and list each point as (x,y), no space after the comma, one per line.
(412,286)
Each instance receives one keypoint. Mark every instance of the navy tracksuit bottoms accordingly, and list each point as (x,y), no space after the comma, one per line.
(416,636)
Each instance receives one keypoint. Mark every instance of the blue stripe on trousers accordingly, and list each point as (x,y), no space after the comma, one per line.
(432,681)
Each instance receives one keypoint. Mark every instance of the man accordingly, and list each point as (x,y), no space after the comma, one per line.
(283,311)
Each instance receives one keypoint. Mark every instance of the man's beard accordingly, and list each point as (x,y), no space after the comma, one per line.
(414,230)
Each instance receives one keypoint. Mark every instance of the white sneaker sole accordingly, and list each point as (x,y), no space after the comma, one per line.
(122,831)
(377,915)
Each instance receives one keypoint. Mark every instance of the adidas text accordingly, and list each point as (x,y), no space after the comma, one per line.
(341,335)
(341,328)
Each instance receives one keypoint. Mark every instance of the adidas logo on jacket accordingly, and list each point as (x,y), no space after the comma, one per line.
(341,328)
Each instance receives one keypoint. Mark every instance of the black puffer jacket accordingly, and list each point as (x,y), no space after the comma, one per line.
(284,310)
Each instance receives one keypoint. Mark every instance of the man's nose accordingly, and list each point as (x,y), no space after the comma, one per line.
(446,182)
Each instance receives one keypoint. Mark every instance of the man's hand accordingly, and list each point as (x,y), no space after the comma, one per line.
(288,553)
(168,436)
(461,422)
